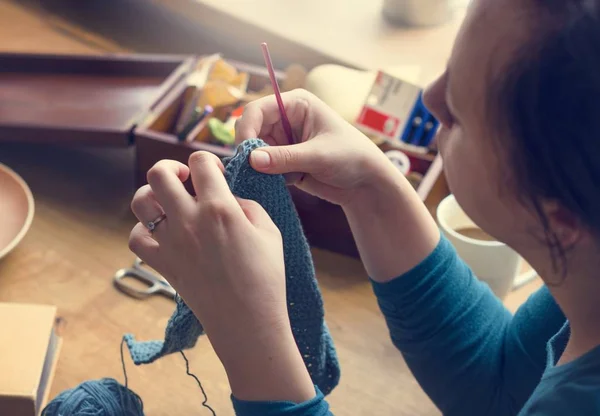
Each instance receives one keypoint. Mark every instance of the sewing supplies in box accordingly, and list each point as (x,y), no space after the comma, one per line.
(394,111)
(215,89)
(395,117)
(215,98)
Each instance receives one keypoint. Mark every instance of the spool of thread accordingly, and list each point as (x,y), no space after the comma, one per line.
(400,160)
(96,397)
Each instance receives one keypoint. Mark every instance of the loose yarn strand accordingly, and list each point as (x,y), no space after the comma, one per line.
(189,373)
(123,364)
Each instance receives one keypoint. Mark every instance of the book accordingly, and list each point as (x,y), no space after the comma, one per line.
(29,353)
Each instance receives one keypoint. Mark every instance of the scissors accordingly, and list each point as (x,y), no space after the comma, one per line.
(157,285)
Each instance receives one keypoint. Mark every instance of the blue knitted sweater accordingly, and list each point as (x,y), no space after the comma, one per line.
(305,304)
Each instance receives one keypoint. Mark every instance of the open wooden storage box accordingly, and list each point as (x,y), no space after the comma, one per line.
(133,100)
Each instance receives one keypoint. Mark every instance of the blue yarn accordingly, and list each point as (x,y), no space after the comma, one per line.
(305,305)
(104,397)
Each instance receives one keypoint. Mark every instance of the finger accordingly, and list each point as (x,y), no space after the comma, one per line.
(145,206)
(208,178)
(304,157)
(143,245)
(251,123)
(256,214)
(262,118)
(166,178)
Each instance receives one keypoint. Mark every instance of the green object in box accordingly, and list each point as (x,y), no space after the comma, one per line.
(221,132)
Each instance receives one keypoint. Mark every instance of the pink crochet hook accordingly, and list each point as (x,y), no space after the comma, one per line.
(285,122)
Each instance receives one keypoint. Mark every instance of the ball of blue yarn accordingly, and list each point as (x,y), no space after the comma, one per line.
(104,397)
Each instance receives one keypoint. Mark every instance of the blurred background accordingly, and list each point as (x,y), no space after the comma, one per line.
(310,32)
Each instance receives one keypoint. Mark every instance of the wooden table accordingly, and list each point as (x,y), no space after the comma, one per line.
(79,239)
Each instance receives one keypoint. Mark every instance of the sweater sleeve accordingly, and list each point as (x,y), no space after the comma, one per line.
(315,407)
(469,354)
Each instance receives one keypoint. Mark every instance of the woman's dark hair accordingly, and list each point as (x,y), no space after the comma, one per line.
(550,97)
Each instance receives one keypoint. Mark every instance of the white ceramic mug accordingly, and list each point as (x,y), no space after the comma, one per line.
(492,262)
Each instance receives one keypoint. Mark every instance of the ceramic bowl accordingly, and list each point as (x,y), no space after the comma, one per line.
(16,209)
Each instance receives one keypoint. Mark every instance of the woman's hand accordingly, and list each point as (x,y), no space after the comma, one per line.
(336,162)
(224,256)
(333,161)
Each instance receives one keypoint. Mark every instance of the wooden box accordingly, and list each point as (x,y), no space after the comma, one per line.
(132,100)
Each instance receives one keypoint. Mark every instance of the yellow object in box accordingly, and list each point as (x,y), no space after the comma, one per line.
(223,71)
(28,356)
(218,94)
(224,86)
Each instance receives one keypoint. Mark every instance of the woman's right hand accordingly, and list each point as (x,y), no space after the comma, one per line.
(333,160)
(336,162)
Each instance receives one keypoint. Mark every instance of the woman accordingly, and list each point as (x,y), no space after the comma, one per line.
(518,105)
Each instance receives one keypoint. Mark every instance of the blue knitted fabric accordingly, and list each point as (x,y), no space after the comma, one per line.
(305,304)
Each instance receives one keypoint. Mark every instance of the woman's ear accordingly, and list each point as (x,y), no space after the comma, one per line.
(567,228)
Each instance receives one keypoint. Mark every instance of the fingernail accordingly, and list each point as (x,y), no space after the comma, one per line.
(260,159)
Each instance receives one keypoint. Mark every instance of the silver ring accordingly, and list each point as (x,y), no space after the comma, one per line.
(151,225)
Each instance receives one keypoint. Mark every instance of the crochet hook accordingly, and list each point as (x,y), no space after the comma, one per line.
(285,122)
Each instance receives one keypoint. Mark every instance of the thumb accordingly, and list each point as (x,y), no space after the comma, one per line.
(283,159)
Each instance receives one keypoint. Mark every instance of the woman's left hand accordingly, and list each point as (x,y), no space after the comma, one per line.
(224,256)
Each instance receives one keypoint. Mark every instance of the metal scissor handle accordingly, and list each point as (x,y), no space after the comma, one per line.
(156,284)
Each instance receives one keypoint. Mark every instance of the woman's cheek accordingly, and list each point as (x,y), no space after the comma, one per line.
(450,148)
(442,139)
